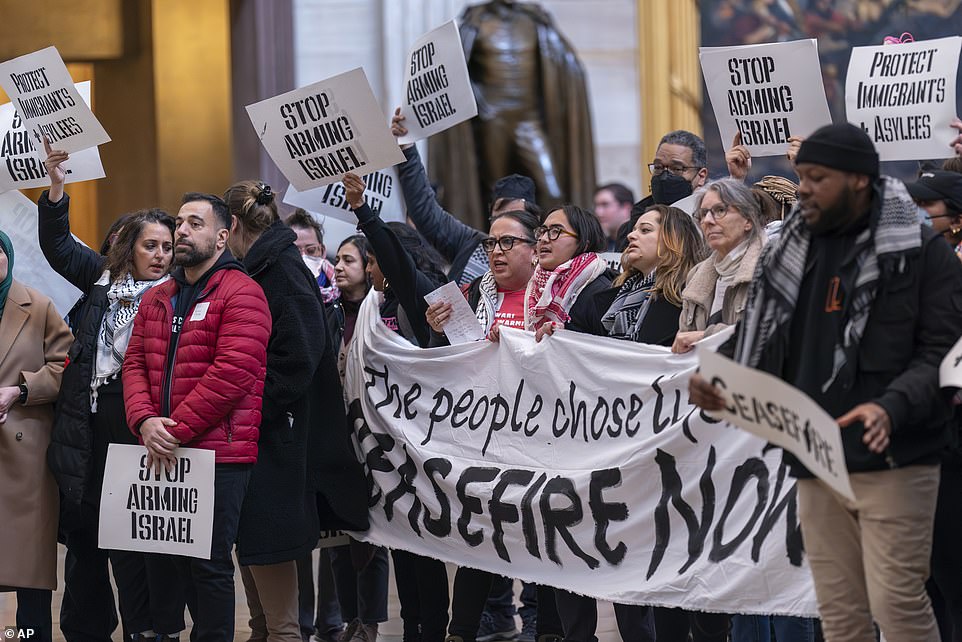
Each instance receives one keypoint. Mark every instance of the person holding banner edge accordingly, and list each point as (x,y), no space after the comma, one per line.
(852,256)
(90,416)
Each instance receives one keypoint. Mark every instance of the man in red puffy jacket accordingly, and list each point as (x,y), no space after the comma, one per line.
(194,376)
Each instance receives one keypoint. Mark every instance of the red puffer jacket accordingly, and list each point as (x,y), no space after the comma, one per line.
(218,369)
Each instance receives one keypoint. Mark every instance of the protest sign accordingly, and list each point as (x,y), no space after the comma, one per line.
(18,218)
(318,133)
(950,375)
(462,326)
(383,196)
(168,512)
(765,92)
(768,407)
(41,90)
(903,96)
(23,161)
(437,89)
(575,462)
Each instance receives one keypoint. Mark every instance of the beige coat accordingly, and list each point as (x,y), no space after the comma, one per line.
(33,346)
(699,293)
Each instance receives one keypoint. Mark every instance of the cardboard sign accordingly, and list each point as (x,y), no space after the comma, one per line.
(168,512)
(18,218)
(318,133)
(44,95)
(21,162)
(766,92)
(437,87)
(778,413)
(382,195)
(903,96)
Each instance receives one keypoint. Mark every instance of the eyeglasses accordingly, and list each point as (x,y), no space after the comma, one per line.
(657,169)
(504,242)
(718,212)
(553,232)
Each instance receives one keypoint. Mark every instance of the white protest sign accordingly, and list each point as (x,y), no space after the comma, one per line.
(44,95)
(575,462)
(382,195)
(950,375)
(903,96)
(766,92)
(437,87)
(330,539)
(613,259)
(462,326)
(768,407)
(22,161)
(318,133)
(18,218)
(167,512)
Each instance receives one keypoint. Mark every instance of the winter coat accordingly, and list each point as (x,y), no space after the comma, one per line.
(33,346)
(292,432)
(217,374)
(658,328)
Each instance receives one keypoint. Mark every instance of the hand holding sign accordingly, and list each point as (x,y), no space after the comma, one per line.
(55,157)
(738,159)
(354,190)
(398,128)
(878,425)
(956,144)
(160,443)
(704,394)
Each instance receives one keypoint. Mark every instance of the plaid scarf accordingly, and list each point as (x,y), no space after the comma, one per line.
(781,267)
(551,293)
(624,318)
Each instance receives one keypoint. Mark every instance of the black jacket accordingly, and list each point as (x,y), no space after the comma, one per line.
(582,316)
(915,320)
(70,452)
(658,328)
(306,464)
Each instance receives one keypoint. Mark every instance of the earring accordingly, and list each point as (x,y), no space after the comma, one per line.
(955,230)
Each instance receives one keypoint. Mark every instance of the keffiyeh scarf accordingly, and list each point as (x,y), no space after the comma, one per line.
(624,318)
(551,293)
(123,300)
(489,301)
(781,267)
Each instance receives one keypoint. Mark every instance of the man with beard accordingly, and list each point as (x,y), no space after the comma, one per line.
(194,377)
(856,305)
(680,166)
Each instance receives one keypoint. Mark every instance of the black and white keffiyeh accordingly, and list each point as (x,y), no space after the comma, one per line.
(489,301)
(627,312)
(781,267)
(123,300)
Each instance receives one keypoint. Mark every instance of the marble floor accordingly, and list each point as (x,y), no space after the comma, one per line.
(390,631)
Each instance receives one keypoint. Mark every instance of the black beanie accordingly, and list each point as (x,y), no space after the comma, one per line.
(514,186)
(843,146)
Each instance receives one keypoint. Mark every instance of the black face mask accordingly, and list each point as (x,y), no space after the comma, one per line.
(667,188)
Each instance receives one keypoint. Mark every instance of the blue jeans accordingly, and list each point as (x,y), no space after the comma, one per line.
(758,628)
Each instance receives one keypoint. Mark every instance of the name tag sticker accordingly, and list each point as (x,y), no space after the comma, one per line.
(200,311)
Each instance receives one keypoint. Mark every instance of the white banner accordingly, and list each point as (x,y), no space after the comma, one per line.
(904,96)
(383,195)
(168,512)
(40,87)
(950,375)
(575,462)
(18,218)
(768,407)
(766,92)
(22,163)
(318,133)
(437,87)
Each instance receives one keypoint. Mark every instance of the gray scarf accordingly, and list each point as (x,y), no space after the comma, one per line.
(781,267)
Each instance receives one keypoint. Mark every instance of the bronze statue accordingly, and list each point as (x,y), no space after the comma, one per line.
(533,116)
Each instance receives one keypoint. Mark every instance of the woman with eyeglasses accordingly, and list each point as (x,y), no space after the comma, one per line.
(729,215)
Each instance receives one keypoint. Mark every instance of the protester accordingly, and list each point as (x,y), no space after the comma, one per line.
(310,243)
(714,297)
(613,203)
(459,244)
(90,416)
(360,570)
(194,376)
(856,307)
(403,268)
(645,303)
(278,491)
(33,341)
(938,195)
(497,298)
